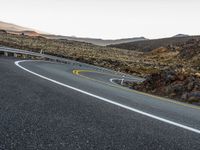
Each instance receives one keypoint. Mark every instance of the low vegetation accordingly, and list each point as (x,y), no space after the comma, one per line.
(171,70)
(113,58)
(180,76)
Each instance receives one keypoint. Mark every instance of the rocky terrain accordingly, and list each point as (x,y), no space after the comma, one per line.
(175,84)
(180,78)
(171,70)
(116,59)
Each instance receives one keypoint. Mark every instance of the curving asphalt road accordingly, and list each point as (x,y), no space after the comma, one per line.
(45,105)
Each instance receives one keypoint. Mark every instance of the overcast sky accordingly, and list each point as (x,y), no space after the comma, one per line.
(108,19)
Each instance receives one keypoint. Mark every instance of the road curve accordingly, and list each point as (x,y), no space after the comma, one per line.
(45,105)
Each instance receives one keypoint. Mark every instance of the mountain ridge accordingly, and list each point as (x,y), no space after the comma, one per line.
(149,45)
(16,29)
(96,41)
(125,43)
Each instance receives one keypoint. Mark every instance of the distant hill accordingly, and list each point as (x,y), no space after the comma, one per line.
(12,27)
(28,33)
(15,29)
(181,35)
(100,42)
(3,31)
(149,45)
(136,43)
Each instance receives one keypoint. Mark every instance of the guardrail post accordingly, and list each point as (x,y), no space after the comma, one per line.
(122,80)
(5,53)
(15,55)
(24,56)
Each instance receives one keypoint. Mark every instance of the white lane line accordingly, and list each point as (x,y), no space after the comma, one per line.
(112,80)
(110,101)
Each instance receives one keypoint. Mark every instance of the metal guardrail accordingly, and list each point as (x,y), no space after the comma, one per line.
(55,58)
(25,52)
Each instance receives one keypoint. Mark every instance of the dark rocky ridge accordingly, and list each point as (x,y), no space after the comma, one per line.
(148,45)
(180,81)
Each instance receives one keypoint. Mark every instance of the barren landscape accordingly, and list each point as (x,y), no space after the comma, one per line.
(170,66)
(99,75)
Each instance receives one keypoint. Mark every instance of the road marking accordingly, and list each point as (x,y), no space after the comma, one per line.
(17,63)
(112,80)
(77,72)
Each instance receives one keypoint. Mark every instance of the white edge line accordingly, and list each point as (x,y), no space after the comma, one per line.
(110,101)
(111,80)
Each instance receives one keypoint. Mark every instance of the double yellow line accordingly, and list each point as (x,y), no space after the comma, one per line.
(77,72)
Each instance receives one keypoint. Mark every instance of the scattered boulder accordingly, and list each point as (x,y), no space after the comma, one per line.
(190,49)
(193,97)
(172,83)
(197,74)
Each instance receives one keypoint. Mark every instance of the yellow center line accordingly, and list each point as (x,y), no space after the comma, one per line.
(77,72)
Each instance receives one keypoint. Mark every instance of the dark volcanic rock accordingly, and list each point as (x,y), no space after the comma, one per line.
(190,49)
(194,96)
(172,83)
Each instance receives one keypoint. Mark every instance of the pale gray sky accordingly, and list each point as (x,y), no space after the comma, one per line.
(105,18)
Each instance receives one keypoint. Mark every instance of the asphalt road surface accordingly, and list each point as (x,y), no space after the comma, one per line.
(50,106)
